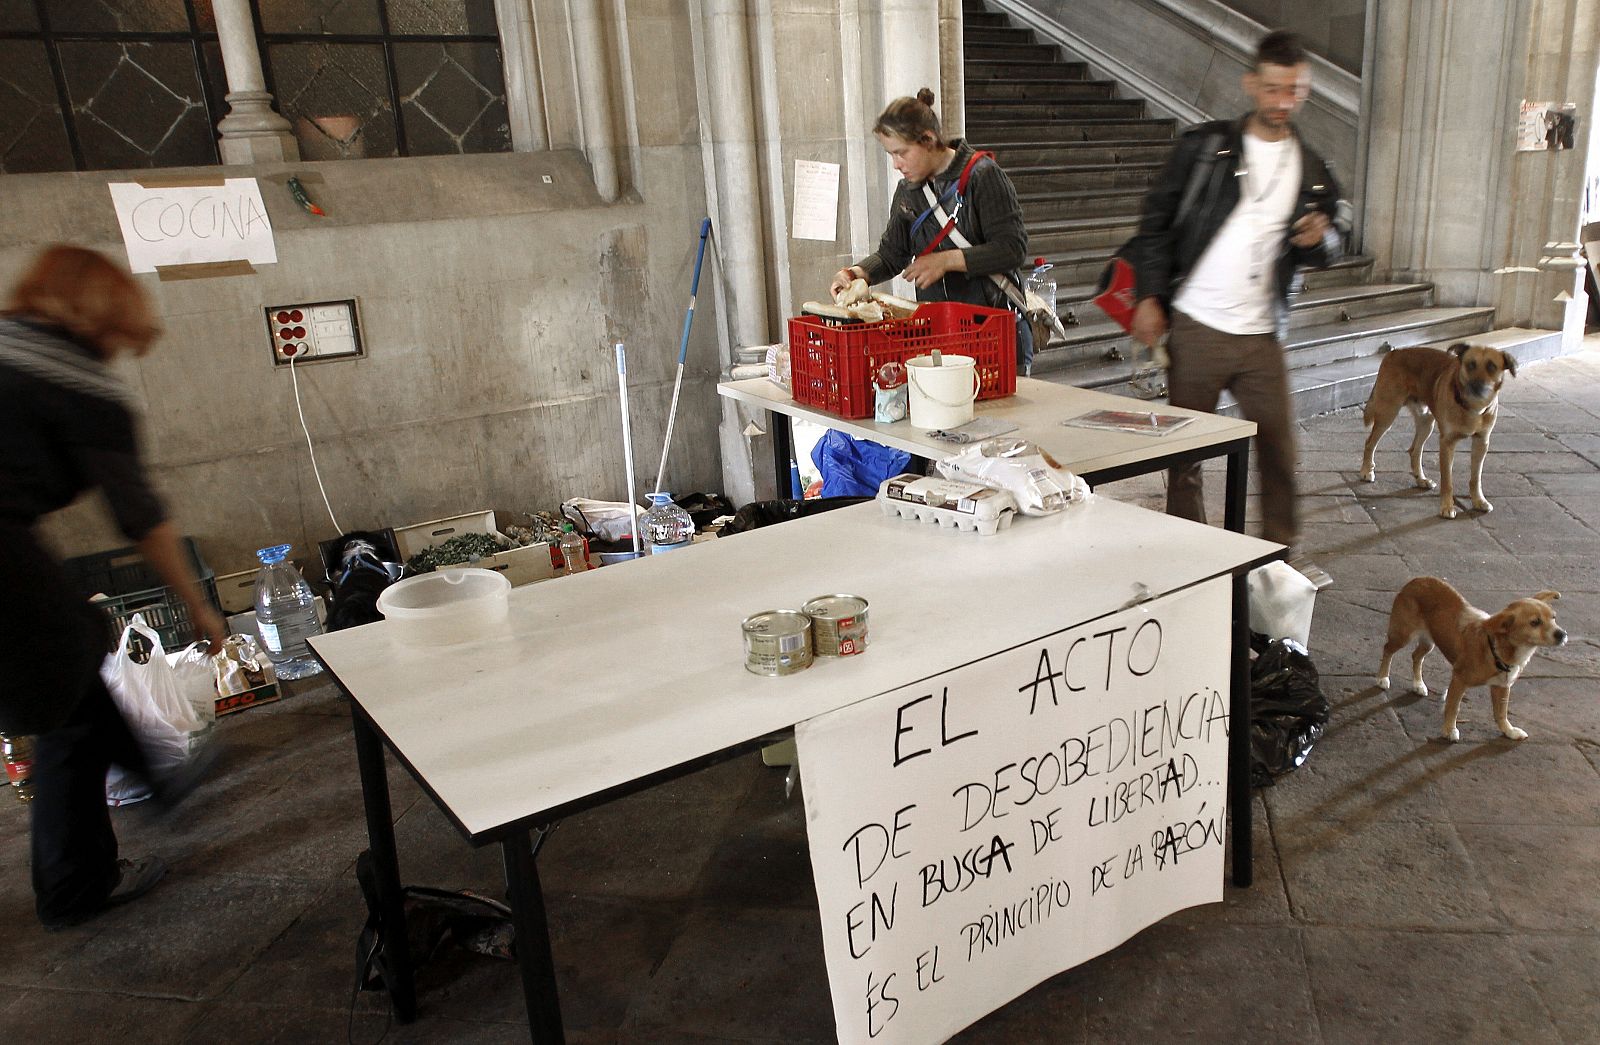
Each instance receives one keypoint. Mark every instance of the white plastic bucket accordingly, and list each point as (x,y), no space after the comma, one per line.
(446,606)
(941,396)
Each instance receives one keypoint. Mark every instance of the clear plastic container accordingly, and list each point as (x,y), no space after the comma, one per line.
(1042,283)
(455,604)
(286,614)
(666,526)
(573,549)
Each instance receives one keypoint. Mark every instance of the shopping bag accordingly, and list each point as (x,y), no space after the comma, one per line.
(151,696)
(1117,293)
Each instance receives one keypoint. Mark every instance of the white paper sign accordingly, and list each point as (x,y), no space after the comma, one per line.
(816,200)
(979,832)
(193,224)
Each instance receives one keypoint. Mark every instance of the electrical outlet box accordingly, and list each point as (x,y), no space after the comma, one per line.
(314,332)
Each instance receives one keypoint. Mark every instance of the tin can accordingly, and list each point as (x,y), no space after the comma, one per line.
(777,642)
(838,624)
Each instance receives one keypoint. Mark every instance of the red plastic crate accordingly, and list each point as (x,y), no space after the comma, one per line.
(832,365)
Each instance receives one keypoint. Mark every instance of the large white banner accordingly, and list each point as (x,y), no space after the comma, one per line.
(979,832)
(188,225)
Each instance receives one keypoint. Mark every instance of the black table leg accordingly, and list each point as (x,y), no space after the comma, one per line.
(1239,736)
(533,941)
(396,959)
(1238,475)
(782,451)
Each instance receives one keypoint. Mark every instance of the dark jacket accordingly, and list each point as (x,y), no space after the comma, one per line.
(1200,179)
(990,219)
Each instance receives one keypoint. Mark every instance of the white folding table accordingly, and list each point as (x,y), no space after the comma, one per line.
(604,684)
(1038,408)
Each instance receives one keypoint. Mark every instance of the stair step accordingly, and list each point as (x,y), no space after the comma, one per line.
(1081,233)
(1005,109)
(1005,34)
(1084,364)
(1347,271)
(1014,155)
(1012,69)
(1071,130)
(1086,325)
(1083,176)
(1034,52)
(1056,206)
(984,19)
(1039,89)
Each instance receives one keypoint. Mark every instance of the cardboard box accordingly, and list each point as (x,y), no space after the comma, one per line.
(237,591)
(521,565)
(265,694)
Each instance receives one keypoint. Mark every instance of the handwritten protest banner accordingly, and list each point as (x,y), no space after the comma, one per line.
(976,833)
(189,225)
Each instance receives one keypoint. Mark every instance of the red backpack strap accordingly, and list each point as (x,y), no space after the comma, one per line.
(961,195)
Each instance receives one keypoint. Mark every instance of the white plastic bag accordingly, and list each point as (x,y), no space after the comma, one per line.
(1019,468)
(608,520)
(1281,601)
(152,699)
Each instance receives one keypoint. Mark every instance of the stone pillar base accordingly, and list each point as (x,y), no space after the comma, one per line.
(264,147)
(253,133)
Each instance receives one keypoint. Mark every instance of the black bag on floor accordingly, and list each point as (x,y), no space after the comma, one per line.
(434,918)
(757,514)
(1287,709)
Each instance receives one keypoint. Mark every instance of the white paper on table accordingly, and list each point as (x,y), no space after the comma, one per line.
(189,225)
(816,200)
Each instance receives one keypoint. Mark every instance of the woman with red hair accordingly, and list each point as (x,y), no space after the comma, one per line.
(69,429)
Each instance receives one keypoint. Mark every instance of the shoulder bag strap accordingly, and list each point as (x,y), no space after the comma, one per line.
(1012,292)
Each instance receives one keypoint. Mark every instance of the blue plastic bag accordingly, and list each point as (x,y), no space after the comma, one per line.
(855,467)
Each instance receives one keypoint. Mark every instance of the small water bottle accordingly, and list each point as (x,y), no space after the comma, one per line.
(573,549)
(666,526)
(1042,283)
(286,614)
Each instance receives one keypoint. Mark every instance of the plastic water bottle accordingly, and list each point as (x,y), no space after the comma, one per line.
(573,548)
(1042,283)
(286,614)
(666,526)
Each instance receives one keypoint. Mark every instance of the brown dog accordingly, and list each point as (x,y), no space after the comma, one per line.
(1459,389)
(1480,648)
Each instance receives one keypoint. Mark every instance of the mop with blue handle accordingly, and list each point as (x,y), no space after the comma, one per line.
(683,351)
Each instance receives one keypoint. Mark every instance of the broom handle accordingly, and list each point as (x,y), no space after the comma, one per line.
(683,352)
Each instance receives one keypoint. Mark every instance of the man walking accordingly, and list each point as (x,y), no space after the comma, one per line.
(1239,206)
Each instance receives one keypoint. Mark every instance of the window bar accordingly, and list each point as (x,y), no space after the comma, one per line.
(202,76)
(400,146)
(63,99)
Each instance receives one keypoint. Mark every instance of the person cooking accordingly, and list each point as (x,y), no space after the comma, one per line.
(69,429)
(988,216)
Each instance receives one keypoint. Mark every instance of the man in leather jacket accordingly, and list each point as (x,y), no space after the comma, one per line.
(1240,206)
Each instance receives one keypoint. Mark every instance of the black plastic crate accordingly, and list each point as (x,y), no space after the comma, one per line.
(130,585)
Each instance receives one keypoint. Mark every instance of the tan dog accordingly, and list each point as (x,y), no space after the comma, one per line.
(1459,389)
(1480,648)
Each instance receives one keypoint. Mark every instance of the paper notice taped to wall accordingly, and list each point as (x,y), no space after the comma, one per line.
(816,200)
(165,225)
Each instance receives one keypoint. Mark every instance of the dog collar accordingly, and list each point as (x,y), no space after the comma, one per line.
(1455,390)
(1502,665)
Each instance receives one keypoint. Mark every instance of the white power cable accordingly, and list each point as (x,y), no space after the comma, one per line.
(295,377)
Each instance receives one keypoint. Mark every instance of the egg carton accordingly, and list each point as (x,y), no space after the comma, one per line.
(947,502)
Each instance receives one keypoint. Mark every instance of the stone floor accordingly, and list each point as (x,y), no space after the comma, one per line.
(1406,890)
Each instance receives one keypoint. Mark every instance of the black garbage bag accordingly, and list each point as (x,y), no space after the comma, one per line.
(1288,710)
(757,514)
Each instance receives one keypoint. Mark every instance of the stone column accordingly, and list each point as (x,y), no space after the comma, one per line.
(595,96)
(524,87)
(732,85)
(251,132)
(952,71)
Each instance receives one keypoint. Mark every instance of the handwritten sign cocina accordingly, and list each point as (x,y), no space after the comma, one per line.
(187,225)
(975,834)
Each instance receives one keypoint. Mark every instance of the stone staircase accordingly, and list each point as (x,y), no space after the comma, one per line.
(1081,157)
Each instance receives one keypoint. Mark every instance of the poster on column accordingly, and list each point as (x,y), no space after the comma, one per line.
(193,224)
(974,834)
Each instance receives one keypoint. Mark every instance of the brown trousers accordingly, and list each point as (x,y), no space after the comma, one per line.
(1204,361)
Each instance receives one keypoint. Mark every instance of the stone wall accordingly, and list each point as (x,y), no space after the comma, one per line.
(488,303)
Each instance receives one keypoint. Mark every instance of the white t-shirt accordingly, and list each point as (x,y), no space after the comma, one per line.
(1232,286)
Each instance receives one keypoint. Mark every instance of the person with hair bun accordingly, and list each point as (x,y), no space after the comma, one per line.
(988,216)
(69,430)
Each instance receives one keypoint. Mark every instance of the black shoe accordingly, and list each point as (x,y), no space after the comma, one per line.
(134,879)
